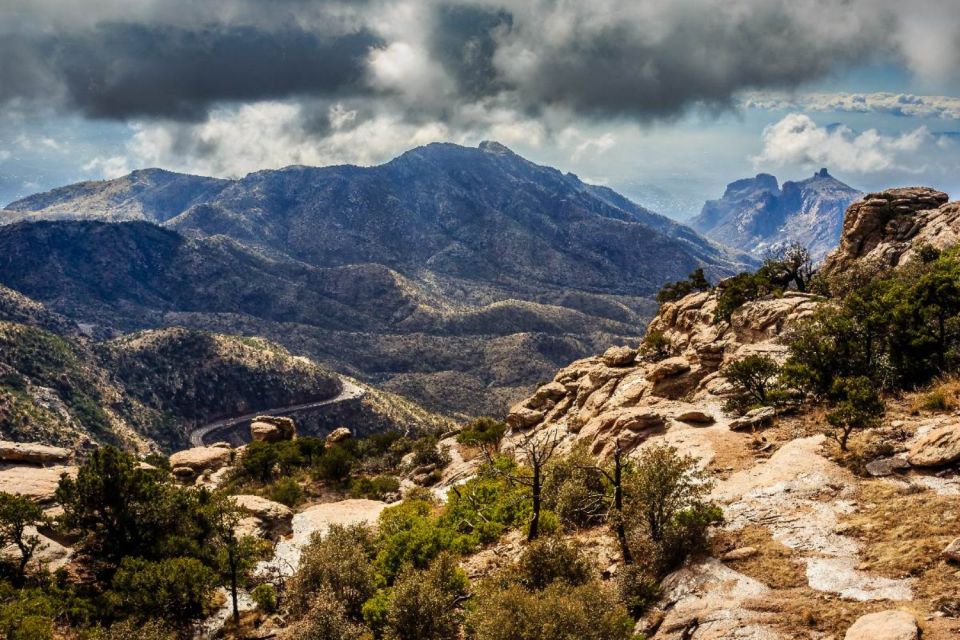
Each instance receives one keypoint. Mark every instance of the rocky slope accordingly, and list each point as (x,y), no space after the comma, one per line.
(756,215)
(457,276)
(809,549)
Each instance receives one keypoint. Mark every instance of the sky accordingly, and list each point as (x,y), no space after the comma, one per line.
(666,102)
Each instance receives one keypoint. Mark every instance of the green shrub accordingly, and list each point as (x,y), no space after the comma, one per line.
(637,588)
(548,560)
(334,465)
(575,490)
(756,382)
(338,564)
(265,597)
(177,590)
(667,513)
(857,406)
(423,604)
(656,346)
(738,290)
(377,488)
(286,491)
(559,612)
(327,619)
(673,291)
(482,431)
(128,629)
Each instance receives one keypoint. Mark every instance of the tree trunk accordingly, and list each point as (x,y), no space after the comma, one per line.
(233,588)
(535,521)
(618,506)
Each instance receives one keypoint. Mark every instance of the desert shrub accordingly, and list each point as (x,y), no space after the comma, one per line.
(756,382)
(26,614)
(177,590)
(334,465)
(656,346)
(673,291)
(548,560)
(338,564)
(575,490)
(376,488)
(481,510)
(637,589)
(426,452)
(667,513)
(423,604)
(559,612)
(482,431)
(736,291)
(943,395)
(265,597)
(286,491)
(326,619)
(149,630)
(857,405)
(409,534)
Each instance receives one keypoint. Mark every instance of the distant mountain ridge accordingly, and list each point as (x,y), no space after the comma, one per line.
(756,214)
(457,276)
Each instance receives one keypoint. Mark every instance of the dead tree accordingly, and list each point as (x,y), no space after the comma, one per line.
(615,513)
(535,450)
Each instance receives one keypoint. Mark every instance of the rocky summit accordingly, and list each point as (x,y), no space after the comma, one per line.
(456,276)
(757,215)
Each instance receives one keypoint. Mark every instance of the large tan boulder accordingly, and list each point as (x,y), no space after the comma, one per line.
(884,625)
(272,429)
(952,551)
(754,419)
(668,368)
(48,554)
(619,356)
(274,518)
(937,448)
(521,417)
(32,453)
(200,459)
(338,435)
(37,483)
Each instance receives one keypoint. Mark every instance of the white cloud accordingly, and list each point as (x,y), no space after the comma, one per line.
(5,155)
(797,140)
(900,104)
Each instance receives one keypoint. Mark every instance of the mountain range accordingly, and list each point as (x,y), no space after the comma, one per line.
(459,277)
(757,215)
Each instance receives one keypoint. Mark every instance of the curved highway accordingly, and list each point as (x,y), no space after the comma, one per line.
(350,391)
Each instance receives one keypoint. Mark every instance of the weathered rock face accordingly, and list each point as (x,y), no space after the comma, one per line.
(884,625)
(272,429)
(603,399)
(38,484)
(199,459)
(270,519)
(32,453)
(338,435)
(937,448)
(889,226)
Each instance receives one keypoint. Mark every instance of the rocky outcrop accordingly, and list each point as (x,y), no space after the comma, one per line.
(888,227)
(601,400)
(884,625)
(38,484)
(338,435)
(271,519)
(272,429)
(189,463)
(939,447)
(32,453)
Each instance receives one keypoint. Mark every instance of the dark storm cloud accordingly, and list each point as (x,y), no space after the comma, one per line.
(638,58)
(129,70)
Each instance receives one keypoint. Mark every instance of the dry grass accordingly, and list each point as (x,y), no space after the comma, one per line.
(942,396)
(798,612)
(903,534)
(774,564)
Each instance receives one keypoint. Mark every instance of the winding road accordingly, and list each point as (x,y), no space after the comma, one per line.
(350,391)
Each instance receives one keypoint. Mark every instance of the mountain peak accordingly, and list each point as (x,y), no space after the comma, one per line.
(823,173)
(492,146)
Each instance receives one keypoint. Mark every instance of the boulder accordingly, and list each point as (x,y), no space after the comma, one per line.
(884,625)
(339,435)
(32,453)
(49,553)
(741,553)
(883,467)
(937,448)
(275,517)
(696,416)
(952,551)
(272,429)
(619,356)
(668,368)
(200,459)
(521,417)
(759,417)
(37,483)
